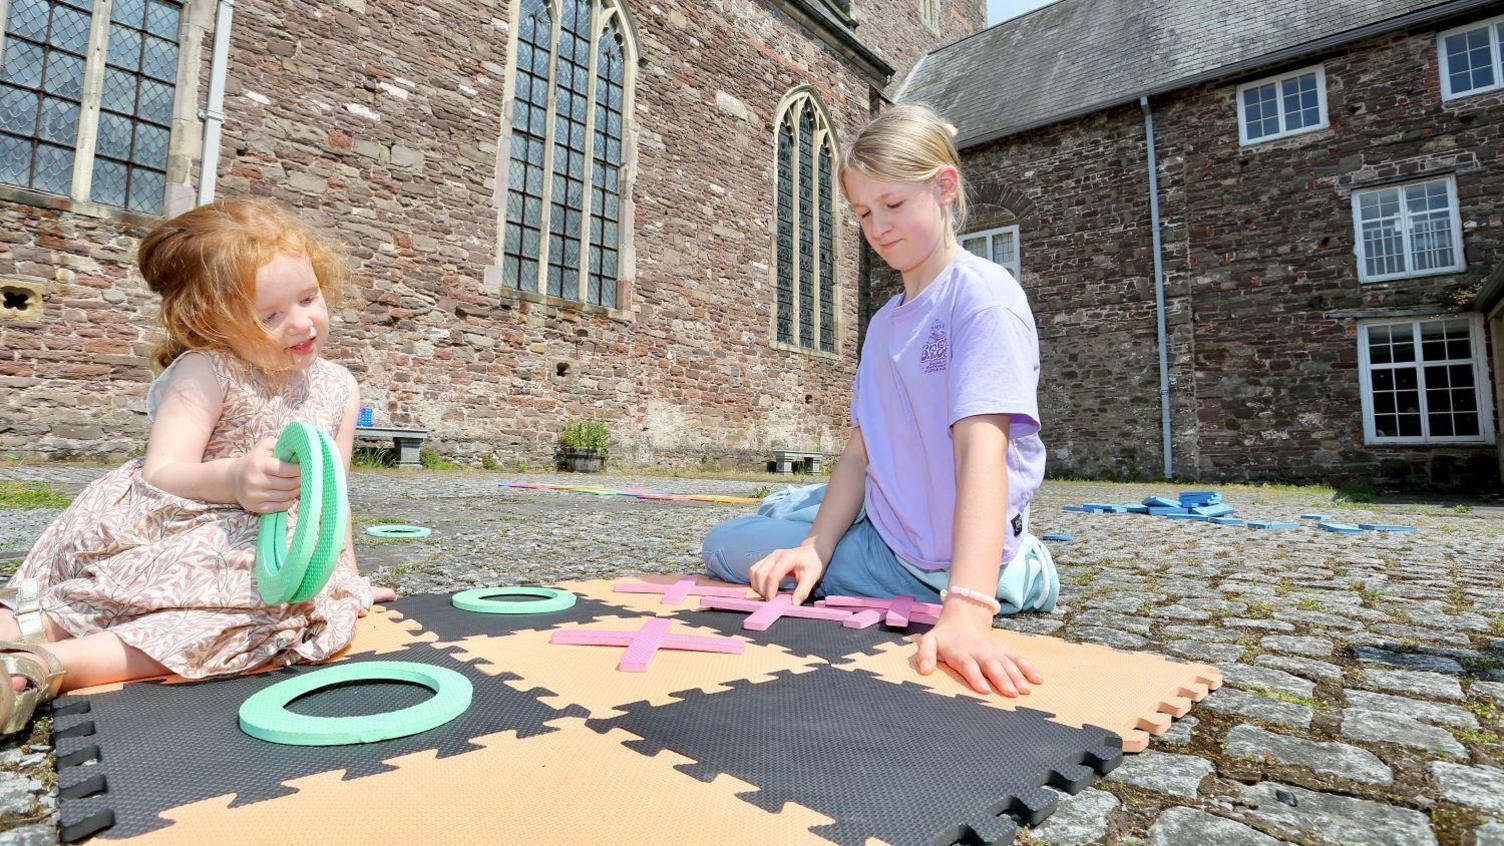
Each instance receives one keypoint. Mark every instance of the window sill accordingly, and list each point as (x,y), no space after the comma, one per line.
(1434,442)
(1248,144)
(1472,92)
(84,208)
(1401,277)
(812,353)
(522,299)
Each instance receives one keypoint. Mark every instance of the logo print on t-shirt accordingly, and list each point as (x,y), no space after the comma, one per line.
(936,353)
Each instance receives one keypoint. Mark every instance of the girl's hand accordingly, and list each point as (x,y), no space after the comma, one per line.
(263,483)
(961,640)
(802,562)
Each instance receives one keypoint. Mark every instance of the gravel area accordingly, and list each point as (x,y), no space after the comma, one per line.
(1365,672)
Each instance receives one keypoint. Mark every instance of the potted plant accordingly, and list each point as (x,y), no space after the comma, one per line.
(582,446)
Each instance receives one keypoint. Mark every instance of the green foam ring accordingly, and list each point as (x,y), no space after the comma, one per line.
(264,715)
(296,572)
(397,530)
(547,600)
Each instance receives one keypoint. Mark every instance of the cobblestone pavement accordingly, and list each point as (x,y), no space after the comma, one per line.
(1365,695)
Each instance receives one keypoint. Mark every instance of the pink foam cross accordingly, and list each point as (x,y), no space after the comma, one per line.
(673,594)
(764,614)
(900,611)
(647,640)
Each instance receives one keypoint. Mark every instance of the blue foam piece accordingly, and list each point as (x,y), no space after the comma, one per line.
(1214,510)
(1160,502)
(1161,512)
(1058,537)
(1228,521)
(1201,517)
(1271,524)
(1190,498)
(1137,509)
(1385,527)
(1077,508)
(1315,516)
(1338,527)
(1105,508)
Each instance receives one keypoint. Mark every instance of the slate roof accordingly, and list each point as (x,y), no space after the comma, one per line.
(1075,57)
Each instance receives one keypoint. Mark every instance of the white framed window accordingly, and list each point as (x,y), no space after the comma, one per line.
(88,98)
(1412,229)
(565,227)
(804,242)
(1471,58)
(1423,381)
(1281,106)
(999,246)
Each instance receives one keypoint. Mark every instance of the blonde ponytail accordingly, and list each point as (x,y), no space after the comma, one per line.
(907,143)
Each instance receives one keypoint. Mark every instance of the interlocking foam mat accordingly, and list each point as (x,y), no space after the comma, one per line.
(815,733)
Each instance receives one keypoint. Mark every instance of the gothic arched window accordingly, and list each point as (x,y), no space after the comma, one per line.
(561,228)
(804,237)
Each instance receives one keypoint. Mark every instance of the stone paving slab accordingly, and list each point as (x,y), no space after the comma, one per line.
(1310,628)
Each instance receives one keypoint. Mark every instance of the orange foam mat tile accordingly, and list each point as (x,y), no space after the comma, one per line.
(587,675)
(568,786)
(604,590)
(1135,694)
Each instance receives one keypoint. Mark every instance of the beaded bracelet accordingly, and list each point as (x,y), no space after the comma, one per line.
(974,596)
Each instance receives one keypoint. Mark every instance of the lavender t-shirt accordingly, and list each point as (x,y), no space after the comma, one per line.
(965,346)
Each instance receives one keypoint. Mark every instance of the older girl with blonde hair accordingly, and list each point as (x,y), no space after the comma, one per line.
(152,568)
(930,497)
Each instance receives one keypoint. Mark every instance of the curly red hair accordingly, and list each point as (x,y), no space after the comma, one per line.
(203,264)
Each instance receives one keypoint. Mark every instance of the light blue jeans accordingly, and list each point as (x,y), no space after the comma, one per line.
(863,563)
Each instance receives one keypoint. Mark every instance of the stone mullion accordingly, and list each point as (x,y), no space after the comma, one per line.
(502,188)
(819,142)
(795,171)
(545,214)
(93,92)
(587,175)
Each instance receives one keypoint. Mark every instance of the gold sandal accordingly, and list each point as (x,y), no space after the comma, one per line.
(23,597)
(44,676)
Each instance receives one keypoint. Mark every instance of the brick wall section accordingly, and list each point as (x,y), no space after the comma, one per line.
(73,382)
(1277,298)
(1262,288)
(1079,193)
(890,28)
(380,121)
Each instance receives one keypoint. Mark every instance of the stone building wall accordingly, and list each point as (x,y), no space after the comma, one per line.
(1262,291)
(380,120)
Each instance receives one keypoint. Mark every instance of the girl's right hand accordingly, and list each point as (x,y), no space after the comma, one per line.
(265,484)
(802,562)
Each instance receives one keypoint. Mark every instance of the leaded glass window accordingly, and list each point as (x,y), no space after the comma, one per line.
(804,237)
(43,105)
(605,183)
(564,212)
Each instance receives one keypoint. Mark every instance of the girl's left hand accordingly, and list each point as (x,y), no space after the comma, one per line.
(961,640)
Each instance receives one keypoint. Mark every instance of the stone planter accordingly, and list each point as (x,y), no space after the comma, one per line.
(581,460)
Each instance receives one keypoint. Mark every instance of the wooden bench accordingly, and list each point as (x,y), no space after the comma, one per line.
(407,442)
(784,460)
